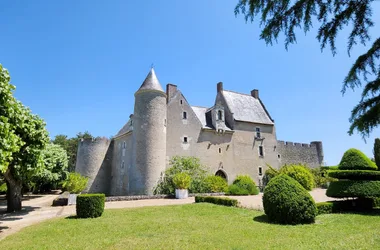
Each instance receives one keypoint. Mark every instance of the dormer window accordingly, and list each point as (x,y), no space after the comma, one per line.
(184,115)
(258,132)
(220,115)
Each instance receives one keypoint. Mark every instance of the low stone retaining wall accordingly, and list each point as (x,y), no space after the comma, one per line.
(149,197)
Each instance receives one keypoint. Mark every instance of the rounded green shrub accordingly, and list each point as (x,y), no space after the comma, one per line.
(354,159)
(301,174)
(245,182)
(287,202)
(355,174)
(75,183)
(237,190)
(215,184)
(348,188)
(90,205)
(182,180)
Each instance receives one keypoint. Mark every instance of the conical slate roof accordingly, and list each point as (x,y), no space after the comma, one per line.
(151,82)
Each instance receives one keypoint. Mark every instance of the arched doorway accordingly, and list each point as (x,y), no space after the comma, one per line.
(222,174)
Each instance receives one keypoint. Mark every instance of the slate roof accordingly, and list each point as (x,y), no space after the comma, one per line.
(246,108)
(151,82)
(125,129)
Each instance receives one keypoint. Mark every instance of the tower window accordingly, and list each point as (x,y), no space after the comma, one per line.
(185,139)
(220,115)
(260,171)
(122,164)
(258,132)
(220,150)
(131,123)
(180,102)
(261,151)
(124,145)
(184,115)
(278,156)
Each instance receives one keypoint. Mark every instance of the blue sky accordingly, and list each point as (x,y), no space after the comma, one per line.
(77,64)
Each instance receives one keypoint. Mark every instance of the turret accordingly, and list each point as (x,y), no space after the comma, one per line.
(149,135)
(319,148)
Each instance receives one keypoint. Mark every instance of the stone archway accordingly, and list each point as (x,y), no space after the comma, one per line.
(222,174)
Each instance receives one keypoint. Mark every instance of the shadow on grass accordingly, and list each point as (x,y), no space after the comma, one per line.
(72,217)
(262,219)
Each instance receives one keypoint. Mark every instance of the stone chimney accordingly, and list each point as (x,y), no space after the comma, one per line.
(255,93)
(219,87)
(170,90)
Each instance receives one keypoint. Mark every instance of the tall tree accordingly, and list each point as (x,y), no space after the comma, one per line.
(286,16)
(71,146)
(55,168)
(22,138)
(376,152)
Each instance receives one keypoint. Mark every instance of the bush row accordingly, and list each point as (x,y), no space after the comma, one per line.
(90,205)
(356,205)
(360,189)
(355,174)
(217,200)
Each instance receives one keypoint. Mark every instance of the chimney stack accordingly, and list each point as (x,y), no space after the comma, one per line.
(170,90)
(255,93)
(219,87)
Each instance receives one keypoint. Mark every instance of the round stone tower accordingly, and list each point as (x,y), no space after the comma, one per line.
(94,161)
(149,135)
(319,147)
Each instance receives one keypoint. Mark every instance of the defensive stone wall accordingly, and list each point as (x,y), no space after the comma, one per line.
(94,158)
(296,153)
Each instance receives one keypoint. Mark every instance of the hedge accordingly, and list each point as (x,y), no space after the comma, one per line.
(354,159)
(355,174)
(287,202)
(361,189)
(329,167)
(225,201)
(90,205)
(330,207)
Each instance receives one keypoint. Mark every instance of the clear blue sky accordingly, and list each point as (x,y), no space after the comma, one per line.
(77,64)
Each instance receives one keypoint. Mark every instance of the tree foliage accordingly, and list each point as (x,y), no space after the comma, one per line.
(22,138)
(286,16)
(55,168)
(376,152)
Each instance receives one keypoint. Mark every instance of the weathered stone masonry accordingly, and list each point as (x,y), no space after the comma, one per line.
(235,136)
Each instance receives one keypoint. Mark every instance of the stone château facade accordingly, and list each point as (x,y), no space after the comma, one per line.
(235,136)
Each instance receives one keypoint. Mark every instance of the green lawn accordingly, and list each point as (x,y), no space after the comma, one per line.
(197,226)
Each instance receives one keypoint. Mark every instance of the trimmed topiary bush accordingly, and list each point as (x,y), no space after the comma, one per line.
(355,174)
(287,202)
(301,174)
(90,205)
(215,184)
(354,159)
(237,190)
(356,205)
(360,189)
(244,182)
(225,201)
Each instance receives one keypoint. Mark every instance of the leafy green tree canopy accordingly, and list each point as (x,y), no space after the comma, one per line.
(376,152)
(22,138)
(286,16)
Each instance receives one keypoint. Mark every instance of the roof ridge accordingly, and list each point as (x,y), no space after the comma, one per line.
(196,106)
(237,93)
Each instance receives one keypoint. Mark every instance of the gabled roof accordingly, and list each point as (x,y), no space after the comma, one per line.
(125,129)
(246,108)
(151,82)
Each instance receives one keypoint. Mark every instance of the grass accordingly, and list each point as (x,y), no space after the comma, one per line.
(197,226)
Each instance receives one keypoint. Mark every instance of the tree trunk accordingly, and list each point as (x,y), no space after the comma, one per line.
(14,192)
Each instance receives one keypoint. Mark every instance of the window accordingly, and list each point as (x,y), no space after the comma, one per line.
(165,122)
(124,145)
(180,102)
(185,139)
(122,164)
(261,151)
(131,123)
(184,115)
(258,132)
(220,150)
(220,115)
(260,171)
(278,156)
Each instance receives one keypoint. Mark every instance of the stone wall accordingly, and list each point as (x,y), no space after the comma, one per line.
(94,157)
(296,153)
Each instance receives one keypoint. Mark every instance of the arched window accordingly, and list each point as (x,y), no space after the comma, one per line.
(220,115)
(221,174)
